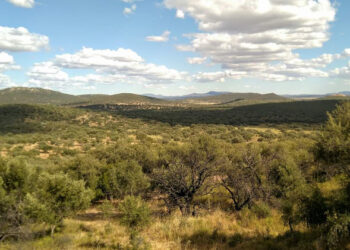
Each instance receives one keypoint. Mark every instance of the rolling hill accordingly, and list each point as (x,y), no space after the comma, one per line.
(20,95)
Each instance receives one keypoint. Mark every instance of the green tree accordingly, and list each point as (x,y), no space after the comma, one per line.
(334,142)
(123,178)
(16,181)
(57,197)
(86,168)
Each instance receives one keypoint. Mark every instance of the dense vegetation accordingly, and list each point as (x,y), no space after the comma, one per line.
(307,112)
(255,177)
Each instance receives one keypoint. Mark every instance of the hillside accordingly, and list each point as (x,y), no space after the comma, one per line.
(232,98)
(21,95)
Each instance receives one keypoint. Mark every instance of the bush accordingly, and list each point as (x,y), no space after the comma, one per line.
(261,210)
(135,213)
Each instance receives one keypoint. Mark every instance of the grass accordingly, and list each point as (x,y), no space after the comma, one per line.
(215,230)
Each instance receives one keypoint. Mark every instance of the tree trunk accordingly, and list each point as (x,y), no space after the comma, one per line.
(188,209)
(290,226)
(53,227)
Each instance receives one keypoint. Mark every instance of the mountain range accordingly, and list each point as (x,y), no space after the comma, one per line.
(22,95)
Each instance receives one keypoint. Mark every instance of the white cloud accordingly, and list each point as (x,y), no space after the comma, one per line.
(196,60)
(259,37)
(20,39)
(253,16)
(7,62)
(162,38)
(342,73)
(219,76)
(180,14)
(23,3)
(5,81)
(346,53)
(131,10)
(47,74)
(109,66)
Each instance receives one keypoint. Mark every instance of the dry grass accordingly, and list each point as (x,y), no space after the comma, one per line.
(215,230)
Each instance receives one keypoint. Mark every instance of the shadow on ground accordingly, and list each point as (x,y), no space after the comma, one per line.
(310,112)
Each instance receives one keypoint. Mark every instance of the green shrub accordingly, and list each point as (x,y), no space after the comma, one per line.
(135,214)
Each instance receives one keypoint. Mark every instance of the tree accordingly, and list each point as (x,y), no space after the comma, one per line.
(243,178)
(86,168)
(57,197)
(121,179)
(186,172)
(16,181)
(334,142)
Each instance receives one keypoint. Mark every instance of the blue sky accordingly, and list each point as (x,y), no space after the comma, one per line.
(175,47)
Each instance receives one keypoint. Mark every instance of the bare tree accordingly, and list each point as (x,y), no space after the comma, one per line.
(186,172)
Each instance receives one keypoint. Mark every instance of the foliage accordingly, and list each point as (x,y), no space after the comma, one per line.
(57,197)
(135,213)
(125,178)
(57,159)
(186,171)
(334,142)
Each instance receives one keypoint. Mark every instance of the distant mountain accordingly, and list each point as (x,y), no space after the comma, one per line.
(307,96)
(303,96)
(20,95)
(193,95)
(347,93)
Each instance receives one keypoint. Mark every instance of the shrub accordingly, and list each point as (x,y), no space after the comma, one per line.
(135,213)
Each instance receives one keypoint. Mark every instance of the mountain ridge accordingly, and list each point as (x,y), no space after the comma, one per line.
(24,95)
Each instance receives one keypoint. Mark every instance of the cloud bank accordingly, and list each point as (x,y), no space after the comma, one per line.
(258,37)
(20,39)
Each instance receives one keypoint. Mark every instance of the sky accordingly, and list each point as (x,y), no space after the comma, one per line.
(176,47)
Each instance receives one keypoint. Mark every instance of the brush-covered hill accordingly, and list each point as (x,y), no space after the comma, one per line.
(20,95)
(236,98)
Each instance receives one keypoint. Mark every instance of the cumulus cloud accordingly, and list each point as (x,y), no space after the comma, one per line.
(343,73)
(219,76)
(259,36)
(23,3)
(20,39)
(47,72)
(196,60)
(109,66)
(253,16)
(162,38)
(5,81)
(131,10)
(7,62)
(180,14)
